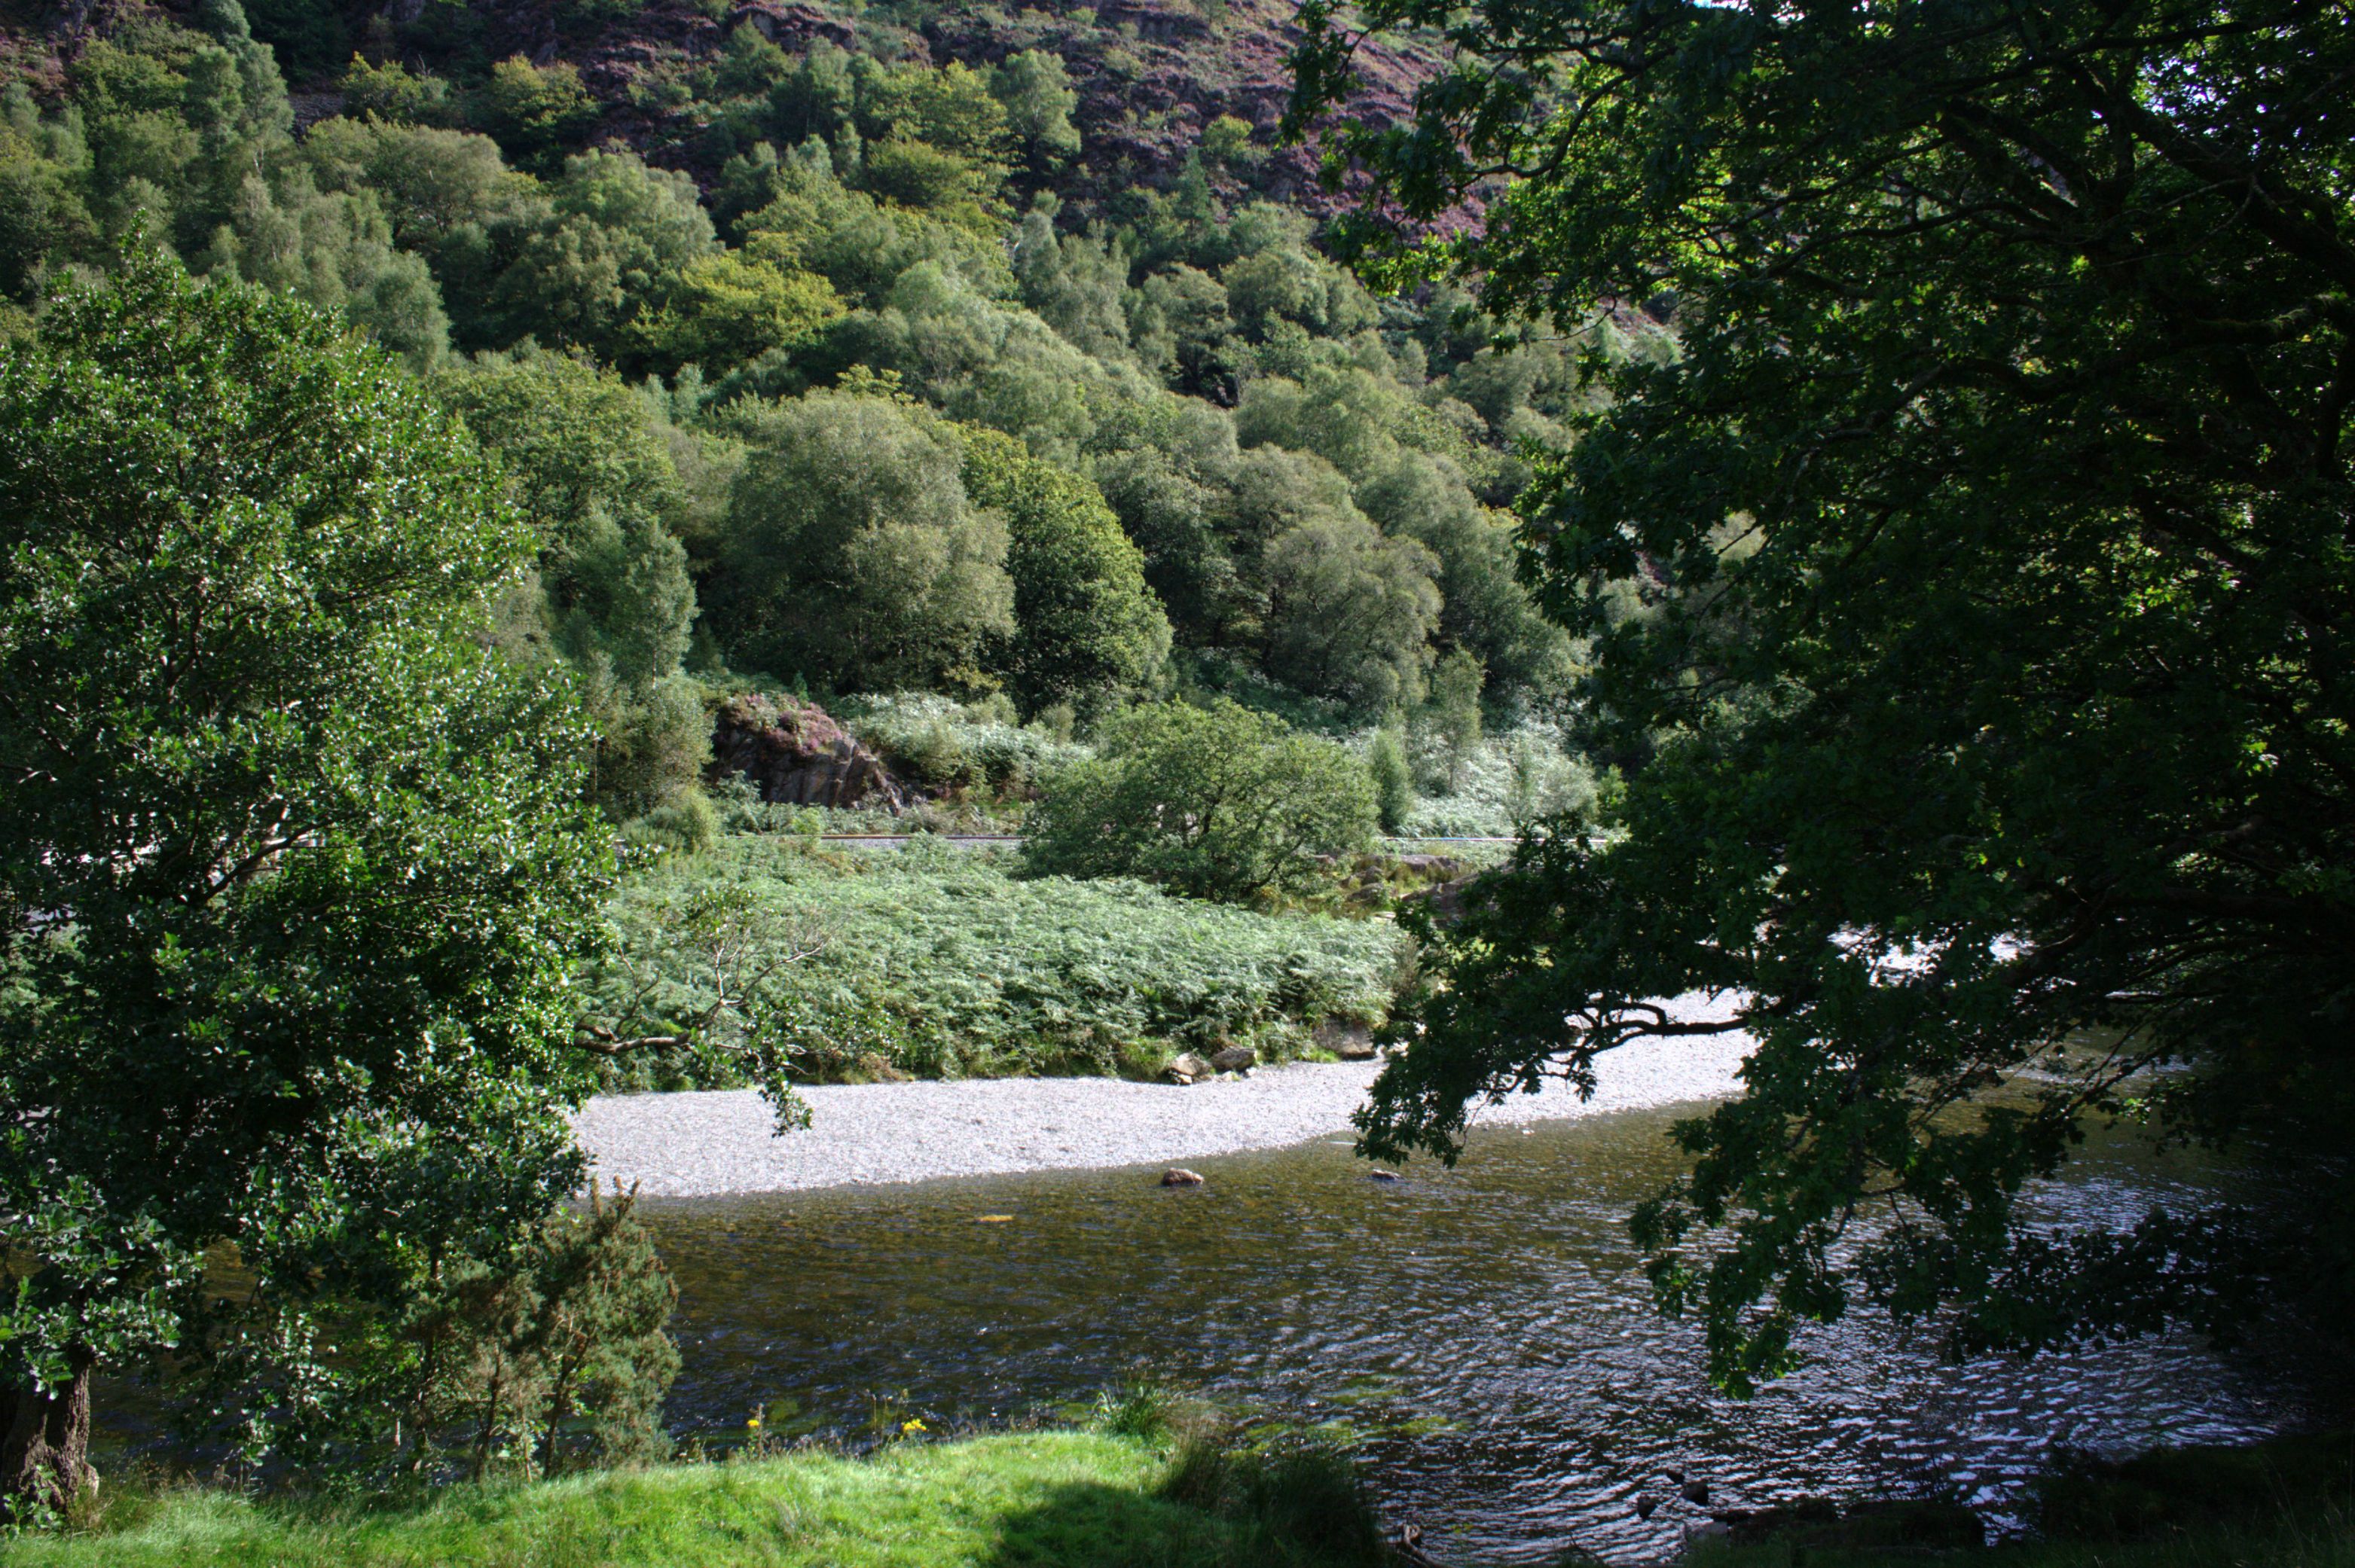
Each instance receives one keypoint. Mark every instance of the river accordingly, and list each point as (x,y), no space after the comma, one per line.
(1483,1335)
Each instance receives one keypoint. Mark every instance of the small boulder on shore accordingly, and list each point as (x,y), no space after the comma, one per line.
(1234,1059)
(1186,1069)
(1349,1042)
(1179,1176)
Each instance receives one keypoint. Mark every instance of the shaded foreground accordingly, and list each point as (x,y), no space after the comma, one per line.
(2286,1503)
(1055,1500)
(1089,1499)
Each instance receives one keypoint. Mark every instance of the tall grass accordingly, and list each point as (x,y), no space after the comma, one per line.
(1054,1500)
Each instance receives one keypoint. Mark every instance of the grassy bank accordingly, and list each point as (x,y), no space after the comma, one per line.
(1056,1499)
(938,962)
(1101,1500)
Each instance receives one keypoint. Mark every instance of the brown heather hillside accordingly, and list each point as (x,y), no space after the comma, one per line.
(1150,74)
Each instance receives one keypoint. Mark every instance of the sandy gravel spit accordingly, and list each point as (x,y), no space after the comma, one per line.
(708,1143)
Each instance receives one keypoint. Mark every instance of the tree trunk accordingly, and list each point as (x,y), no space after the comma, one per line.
(45,1447)
(490,1424)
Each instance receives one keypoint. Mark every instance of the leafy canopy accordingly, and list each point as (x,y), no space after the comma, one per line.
(1217,802)
(1971,599)
(1086,624)
(293,870)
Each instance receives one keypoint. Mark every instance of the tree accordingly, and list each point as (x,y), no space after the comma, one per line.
(620,237)
(1971,601)
(1394,782)
(1037,93)
(735,305)
(1484,609)
(532,111)
(1217,802)
(1087,628)
(611,593)
(1349,611)
(852,552)
(390,92)
(294,871)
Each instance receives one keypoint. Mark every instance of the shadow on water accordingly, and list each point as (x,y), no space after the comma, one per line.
(1483,1335)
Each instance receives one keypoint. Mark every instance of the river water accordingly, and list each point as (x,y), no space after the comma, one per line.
(1483,1335)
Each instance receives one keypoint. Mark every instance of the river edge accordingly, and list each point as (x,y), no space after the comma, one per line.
(715,1143)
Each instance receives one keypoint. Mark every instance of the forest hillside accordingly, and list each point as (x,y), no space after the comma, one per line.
(884,349)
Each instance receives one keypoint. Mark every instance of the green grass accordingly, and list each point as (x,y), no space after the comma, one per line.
(939,962)
(1136,1495)
(1058,1500)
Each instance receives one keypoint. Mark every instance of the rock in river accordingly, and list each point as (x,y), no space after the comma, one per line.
(1179,1176)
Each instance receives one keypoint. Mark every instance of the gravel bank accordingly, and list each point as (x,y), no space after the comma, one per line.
(698,1144)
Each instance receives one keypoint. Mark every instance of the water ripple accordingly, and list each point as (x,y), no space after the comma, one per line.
(1484,1332)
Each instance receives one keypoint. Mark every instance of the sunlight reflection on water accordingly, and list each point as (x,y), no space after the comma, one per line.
(1486,1332)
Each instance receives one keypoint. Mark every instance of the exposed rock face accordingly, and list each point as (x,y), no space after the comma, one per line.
(792,24)
(795,754)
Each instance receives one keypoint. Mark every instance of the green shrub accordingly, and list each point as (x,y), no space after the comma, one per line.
(686,822)
(1217,802)
(943,743)
(2169,1492)
(1393,785)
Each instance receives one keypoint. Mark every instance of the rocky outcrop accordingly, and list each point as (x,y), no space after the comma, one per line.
(795,754)
(792,24)
(1186,1068)
(1349,1042)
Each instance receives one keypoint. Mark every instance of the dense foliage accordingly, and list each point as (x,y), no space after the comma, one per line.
(791,385)
(1969,596)
(1216,802)
(294,875)
(937,962)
